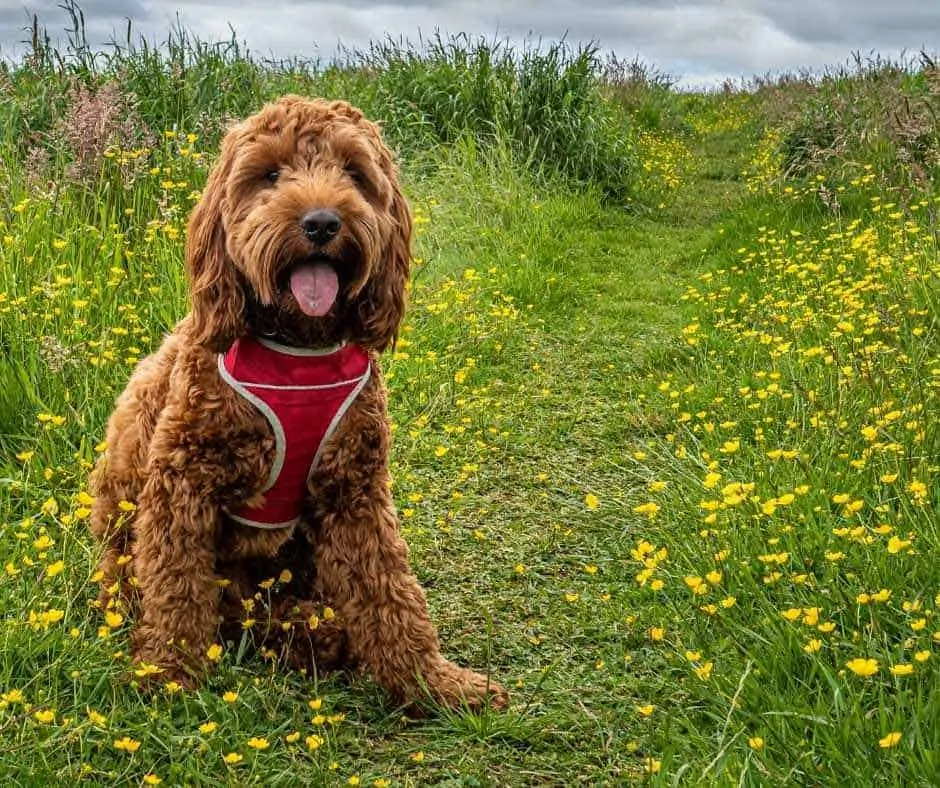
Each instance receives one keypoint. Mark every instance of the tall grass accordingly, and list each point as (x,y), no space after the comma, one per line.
(544,104)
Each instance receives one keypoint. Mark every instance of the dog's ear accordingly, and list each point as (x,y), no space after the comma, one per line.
(382,303)
(217,299)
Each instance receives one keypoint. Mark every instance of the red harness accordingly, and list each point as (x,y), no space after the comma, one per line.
(303,394)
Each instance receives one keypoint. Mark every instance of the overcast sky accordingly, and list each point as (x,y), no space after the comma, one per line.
(697,41)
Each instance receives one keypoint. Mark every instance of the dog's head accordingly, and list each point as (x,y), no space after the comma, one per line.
(302,231)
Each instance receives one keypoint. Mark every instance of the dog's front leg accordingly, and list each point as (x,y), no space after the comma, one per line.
(176,528)
(362,568)
(362,565)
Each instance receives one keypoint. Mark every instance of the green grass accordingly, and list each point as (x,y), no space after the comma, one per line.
(667,467)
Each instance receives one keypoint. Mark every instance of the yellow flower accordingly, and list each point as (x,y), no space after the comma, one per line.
(13,696)
(258,743)
(113,619)
(151,779)
(418,757)
(656,633)
(214,652)
(53,569)
(645,711)
(126,506)
(208,727)
(313,742)
(232,758)
(127,744)
(649,509)
(44,716)
(921,656)
(755,743)
(652,765)
(812,646)
(290,738)
(890,740)
(896,545)
(902,669)
(704,671)
(354,780)
(96,718)
(230,696)
(591,501)
(861,666)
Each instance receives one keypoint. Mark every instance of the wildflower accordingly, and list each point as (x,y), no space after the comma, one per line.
(755,743)
(127,744)
(418,757)
(313,742)
(704,671)
(861,666)
(591,501)
(656,634)
(230,696)
(902,669)
(208,727)
(44,716)
(113,619)
(652,765)
(645,711)
(890,740)
(649,509)
(151,779)
(232,758)
(214,652)
(258,743)
(896,544)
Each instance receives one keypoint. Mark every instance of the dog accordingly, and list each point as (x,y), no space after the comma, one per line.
(245,483)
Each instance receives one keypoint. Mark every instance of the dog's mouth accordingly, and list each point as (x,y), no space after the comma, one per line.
(314,285)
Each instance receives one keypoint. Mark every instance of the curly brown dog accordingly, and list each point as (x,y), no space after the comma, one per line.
(254,442)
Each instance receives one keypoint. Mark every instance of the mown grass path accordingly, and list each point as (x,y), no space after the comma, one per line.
(528,554)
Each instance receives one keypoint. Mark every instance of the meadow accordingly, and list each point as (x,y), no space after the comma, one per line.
(666,451)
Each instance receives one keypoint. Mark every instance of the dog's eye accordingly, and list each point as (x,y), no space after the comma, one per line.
(356,176)
(271,176)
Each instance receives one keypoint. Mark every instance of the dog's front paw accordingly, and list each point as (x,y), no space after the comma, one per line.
(451,685)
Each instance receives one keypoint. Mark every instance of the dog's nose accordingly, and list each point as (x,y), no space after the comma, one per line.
(320,225)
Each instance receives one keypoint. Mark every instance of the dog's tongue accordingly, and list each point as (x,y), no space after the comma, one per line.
(314,286)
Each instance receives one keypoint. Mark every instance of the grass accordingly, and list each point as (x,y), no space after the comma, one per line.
(667,464)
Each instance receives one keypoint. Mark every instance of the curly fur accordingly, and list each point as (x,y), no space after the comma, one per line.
(184,447)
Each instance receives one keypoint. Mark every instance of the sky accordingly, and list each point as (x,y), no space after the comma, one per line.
(696,42)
